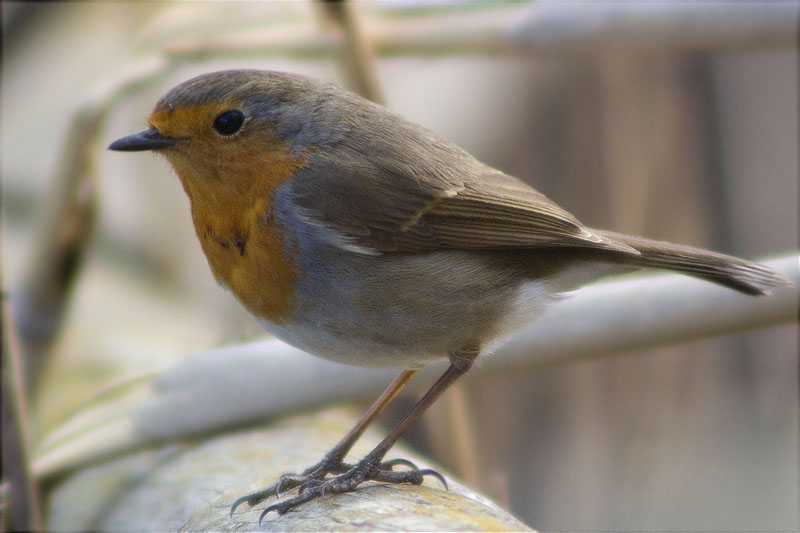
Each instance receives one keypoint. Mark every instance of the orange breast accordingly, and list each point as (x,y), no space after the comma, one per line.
(250,258)
(231,184)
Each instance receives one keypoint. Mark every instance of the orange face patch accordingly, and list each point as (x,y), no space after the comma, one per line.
(186,121)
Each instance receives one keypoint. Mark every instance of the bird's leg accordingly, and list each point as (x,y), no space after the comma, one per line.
(333,462)
(371,467)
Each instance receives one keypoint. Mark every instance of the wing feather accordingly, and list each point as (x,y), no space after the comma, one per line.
(427,195)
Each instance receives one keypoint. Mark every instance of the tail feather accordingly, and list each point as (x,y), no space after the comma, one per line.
(739,274)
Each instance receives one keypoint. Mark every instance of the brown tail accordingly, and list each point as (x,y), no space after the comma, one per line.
(739,274)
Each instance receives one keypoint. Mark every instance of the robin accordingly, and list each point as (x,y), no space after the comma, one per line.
(364,238)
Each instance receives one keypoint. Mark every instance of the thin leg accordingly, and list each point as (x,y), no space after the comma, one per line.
(452,373)
(371,467)
(333,460)
(340,450)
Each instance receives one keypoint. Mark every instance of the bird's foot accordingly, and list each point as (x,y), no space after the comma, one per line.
(365,470)
(331,464)
(312,484)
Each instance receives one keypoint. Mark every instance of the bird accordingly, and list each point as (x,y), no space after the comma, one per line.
(364,238)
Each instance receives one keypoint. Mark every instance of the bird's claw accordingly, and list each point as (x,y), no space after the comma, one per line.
(252,498)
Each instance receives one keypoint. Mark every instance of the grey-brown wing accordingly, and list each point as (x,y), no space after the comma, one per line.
(497,210)
(428,195)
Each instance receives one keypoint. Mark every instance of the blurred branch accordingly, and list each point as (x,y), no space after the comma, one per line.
(358,56)
(536,28)
(637,26)
(234,385)
(60,241)
(25,506)
(66,224)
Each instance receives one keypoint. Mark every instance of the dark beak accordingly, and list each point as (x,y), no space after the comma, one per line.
(144,140)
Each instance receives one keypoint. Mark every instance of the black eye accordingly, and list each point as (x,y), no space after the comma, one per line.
(229,122)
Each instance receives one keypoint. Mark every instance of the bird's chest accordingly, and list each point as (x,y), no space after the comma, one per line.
(246,251)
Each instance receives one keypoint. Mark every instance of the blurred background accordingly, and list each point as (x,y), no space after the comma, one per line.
(639,118)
